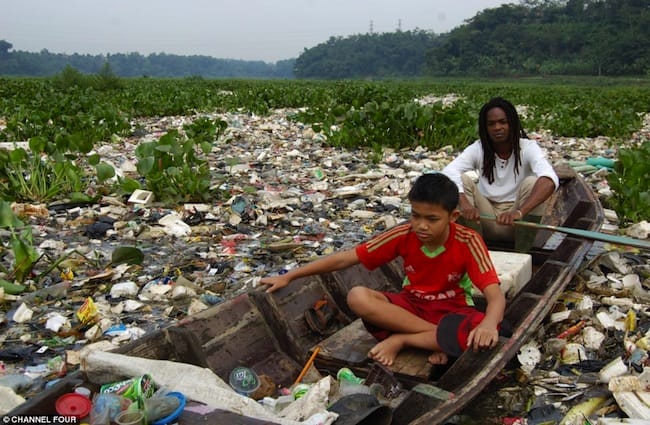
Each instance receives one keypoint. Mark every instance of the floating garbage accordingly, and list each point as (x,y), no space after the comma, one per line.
(286,198)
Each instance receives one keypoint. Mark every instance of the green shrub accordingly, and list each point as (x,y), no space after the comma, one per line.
(71,77)
(107,80)
(20,242)
(31,177)
(175,168)
(629,182)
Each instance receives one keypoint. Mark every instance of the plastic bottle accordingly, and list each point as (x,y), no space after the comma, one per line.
(56,291)
(350,383)
(601,162)
(345,374)
(106,407)
(300,390)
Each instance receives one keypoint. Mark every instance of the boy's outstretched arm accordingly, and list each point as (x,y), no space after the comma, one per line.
(486,334)
(330,263)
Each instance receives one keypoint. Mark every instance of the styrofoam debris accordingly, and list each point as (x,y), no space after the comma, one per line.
(592,337)
(529,356)
(124,289)
(639,230)
(614,368)
(23,314)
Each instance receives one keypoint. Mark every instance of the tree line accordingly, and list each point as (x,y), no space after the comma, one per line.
(45,63)
(534,37)
(575,37)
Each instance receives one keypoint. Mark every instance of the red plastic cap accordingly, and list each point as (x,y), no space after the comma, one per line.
(73,404)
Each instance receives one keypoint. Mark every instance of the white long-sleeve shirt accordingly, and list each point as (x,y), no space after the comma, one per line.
(504,187)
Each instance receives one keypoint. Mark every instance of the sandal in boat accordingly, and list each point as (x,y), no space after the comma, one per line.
(321,318)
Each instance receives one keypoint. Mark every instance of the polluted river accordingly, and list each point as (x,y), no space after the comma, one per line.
(137,265)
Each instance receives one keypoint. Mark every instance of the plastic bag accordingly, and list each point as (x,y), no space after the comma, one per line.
(160,405)
(106,407)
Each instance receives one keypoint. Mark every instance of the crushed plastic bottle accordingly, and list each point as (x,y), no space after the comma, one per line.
(346,374)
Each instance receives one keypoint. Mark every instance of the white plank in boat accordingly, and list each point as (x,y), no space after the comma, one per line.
(514,270)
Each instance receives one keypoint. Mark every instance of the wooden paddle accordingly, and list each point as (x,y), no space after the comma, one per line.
(588,234)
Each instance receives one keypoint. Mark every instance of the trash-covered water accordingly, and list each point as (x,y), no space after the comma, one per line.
(288,197)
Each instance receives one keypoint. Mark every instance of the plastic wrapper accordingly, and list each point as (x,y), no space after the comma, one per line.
(160,405)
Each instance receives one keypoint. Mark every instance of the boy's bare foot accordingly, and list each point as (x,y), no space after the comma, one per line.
(438,357)
(386,351)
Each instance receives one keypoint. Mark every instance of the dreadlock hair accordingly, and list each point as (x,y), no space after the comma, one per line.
(516,132)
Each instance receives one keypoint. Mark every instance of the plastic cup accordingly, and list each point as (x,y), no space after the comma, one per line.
(130,417)
(244,381)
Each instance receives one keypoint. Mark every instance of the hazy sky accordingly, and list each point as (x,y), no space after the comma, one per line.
(233,29)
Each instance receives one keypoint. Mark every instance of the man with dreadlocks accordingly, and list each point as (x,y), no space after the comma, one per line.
(515,177)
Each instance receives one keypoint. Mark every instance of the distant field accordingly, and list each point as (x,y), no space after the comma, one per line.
(365,113)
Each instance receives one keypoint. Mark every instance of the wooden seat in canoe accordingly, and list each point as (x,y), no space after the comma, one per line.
(349,347)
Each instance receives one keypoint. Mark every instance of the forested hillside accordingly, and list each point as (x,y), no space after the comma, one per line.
(398,54)
(534,37)
(575,37)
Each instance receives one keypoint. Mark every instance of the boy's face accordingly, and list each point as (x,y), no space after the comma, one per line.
(430,223)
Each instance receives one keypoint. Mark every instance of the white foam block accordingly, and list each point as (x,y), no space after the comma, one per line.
(514,271)
(140,196)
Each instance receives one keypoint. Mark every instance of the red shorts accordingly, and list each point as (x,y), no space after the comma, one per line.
(432,312)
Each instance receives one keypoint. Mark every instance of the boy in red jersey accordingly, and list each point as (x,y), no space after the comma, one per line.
(434,310)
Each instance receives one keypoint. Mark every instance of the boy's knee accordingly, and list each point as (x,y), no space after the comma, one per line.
(357,298)
(453,331)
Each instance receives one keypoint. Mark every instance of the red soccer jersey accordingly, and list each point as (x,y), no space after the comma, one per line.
(442,274)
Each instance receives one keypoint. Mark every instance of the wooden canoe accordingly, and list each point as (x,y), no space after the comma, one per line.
(269,333)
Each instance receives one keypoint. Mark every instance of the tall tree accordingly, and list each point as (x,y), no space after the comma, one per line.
(5,46)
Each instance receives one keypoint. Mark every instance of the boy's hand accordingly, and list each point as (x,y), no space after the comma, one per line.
(275,282)
(482,337)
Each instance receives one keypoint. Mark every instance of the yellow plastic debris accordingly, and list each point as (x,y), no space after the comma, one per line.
(67,274)
(630,321)
(577,414)
(87,313)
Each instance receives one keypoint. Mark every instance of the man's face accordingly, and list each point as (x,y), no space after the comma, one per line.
(497,125)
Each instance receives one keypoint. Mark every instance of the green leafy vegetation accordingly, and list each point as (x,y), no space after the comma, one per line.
(533,38)
(175,167)
(629,183)
(36,176)
(575,37)
(126,255)
(21,244)
(399,54)
(64,124)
